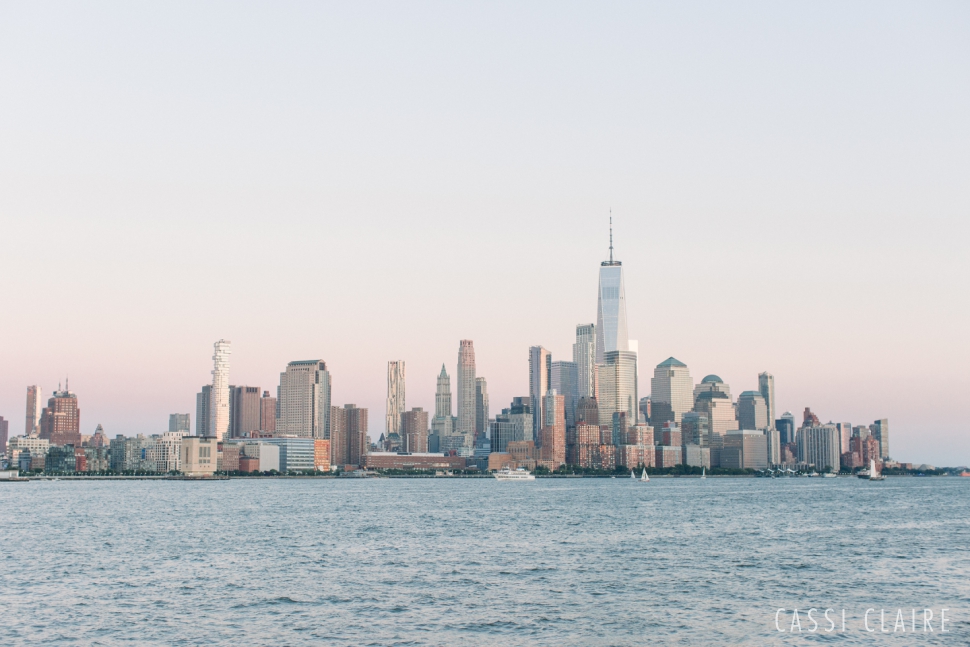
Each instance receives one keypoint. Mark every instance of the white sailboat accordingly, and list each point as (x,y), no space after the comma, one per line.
(703,472)
(873,474)
(643,477)
(632,475)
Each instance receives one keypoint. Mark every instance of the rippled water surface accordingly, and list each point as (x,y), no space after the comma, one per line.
(478,562)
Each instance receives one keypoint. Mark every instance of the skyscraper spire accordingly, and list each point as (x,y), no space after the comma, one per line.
(611,235)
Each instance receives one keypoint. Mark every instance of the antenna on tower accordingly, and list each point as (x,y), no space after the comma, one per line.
(611,235)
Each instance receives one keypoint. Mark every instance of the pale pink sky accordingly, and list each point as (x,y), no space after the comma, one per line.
(368,182)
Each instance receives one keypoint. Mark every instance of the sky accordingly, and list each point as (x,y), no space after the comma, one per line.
(364,182)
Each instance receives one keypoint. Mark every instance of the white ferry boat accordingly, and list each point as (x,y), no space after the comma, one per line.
(519,474)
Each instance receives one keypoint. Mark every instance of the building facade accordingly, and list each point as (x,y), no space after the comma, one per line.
(219,420)
(671,392)
(611,325)
(395,397)
(540,379)
(414,430)
(35,404)
(303,400)
(60,420)
(752,411)
(766,386)
(584,356)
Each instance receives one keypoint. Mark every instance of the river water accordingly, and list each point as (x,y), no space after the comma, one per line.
(478,562)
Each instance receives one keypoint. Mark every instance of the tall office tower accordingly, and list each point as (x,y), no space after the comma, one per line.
(441,424)
(540,379)
(60,420)
(671,392)
(845,435)
(709,383)
(180,422)
(202,400)
(35,403)
(819,445)
(303,400)
(766,386)
(645,407)
(267,413)
(695,428)
(4,434)
(481,408)
(564,378)
(774,446)
(786,430)
(466,392)
(618,387)
(552,441)
(245,408)
(584,356)
(611,331)
(880,429)
(395,397)
(752,411)
(587,411)
(348,435)
(719,410)
(219,396)
(414,430)
(809,418)
(635,348)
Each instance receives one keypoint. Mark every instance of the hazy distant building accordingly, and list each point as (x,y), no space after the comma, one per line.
(719,410)
(752,411)
(880,430)
(745,449)
(202,400)
(303,400)
(180,422)
(244,410)
(709,383)
(414,430)
(819,445)
(395,397)
(611,326)
(218,426)
(766,386)
(786,428)
(442,424)
(564,379)
(60,420)
(671,392)
(540,379)
(481,408)
(584,356)
(513,424)
(466,393)
(35,403)
(267,413)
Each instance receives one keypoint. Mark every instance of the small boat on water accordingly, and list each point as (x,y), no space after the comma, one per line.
(632,475)
(829,475)
(519,474)
(873,474)
(643,477)
(703,472)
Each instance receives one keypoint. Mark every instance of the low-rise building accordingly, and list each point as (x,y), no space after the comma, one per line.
(164,451)
(60,459)
(199,455)
(697,456)
(636,455)
(266,456)
(667,456)
(296,454)
(745,449)
(321,454)
(37,448)
(412,461)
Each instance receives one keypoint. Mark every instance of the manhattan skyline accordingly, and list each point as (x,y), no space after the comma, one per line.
(761,227)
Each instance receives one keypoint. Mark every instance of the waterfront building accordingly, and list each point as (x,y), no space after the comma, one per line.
(697,456)
(395,397)
(636,456)
(466,393)
(564,380)
(261,456)
(618,386)
(880,430)
(481,408)
(202,400)
(667,456)
(540,380)
(348,438)
(819,445)
(442,424)
(179,422)
(671,392)
(752,411)
(717,406)
(605,457)
(744,449)
(773,438)
(96,459)
(35,403)
(131,454)
(303,400)
(321,455)
(414,430)
(165,451)
(267,413)
(4,435)
(218,426)
(523,452)
(584,356)
(412,461)
(199,455)
(611,325)
(766,386)
(296,454)
(786,428)
(244,411)
(60,459)
(500,461)
(552,445)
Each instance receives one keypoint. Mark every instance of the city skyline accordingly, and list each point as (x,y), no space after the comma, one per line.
(777,206)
